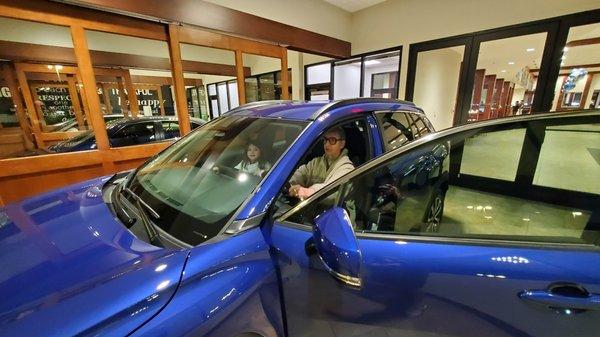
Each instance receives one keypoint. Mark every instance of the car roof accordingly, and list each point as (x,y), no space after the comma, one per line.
(307,111)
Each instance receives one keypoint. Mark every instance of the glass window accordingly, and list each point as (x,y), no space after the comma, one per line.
(197,184)
(436,84)
(396,130)
(413,194)
(223,97)
(570,158)
(132,134)
(419,128)
(381,75)
(42,101)
(318,74)
(506,76)
(493,154)
(251,84)
(234,101)
(578,81)
(171,129)
(346,79)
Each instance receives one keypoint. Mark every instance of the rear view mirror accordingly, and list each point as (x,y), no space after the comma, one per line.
(337,245)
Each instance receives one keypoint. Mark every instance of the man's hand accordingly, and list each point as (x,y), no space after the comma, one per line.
(293,191)
(304,193)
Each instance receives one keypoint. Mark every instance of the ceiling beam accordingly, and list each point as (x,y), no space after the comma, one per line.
(17,51)
(211,16)
(583,42)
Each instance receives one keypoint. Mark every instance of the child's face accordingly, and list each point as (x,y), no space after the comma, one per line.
(253,153)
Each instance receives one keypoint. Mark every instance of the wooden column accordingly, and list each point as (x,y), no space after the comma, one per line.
(178,81)
(161,100)
(586,90)
(84,62)
(106,94)
(133,101)
(75,102)
(560,95)
(123,97)
(285,78)
(488,83)
(241,80)
(477,88)
(29,103)
(11,82)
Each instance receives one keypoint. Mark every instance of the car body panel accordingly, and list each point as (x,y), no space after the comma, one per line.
(229,287)
(66,257)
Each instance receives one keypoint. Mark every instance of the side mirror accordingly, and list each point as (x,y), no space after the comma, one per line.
(337,246)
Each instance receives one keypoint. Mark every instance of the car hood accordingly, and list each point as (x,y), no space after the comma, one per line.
(69,267)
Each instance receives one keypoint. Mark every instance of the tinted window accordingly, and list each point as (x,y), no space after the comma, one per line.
(551,194)
(395,129)
(139,133)
(171,129)
(419,128)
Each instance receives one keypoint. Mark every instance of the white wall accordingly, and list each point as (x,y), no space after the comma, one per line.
(436,85)
(314,15)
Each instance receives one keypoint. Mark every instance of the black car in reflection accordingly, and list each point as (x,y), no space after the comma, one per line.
(125,132)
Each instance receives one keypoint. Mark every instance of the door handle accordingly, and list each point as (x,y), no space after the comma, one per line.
(564,298)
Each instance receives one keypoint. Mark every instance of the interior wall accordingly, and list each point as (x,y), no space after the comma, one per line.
(392,23)
(315,15)
(436,85)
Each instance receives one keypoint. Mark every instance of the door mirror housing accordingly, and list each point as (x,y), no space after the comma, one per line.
(337,246)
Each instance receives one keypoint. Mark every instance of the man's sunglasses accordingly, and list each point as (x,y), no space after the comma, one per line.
(332,140)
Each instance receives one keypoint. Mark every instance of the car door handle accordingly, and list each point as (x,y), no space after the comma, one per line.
(563,298)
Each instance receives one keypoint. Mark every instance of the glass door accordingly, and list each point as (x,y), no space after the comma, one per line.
(436,70)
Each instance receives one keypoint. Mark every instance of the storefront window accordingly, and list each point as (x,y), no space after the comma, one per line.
(42,101)
(506,76)
(380,75)
(578,84)
(346,79)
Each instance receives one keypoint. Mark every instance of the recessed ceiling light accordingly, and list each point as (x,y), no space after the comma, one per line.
(511,63)
(371,62)
(529,50)
(503,71)
(564,57)
(566,49)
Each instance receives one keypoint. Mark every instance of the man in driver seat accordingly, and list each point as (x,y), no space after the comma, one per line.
(323,170)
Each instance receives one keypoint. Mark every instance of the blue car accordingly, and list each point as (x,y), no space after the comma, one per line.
(126,132)
(471,231)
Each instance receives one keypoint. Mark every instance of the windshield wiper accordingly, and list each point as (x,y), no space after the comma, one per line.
(153,235)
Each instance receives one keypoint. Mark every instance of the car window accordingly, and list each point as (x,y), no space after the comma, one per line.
(417,193)
(395,129)
(313,171)
(418,126)
(171,129)
(198,183)
(138,133)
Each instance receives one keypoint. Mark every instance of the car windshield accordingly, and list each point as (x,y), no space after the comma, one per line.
(198,183)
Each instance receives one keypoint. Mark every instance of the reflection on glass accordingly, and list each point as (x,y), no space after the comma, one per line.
(506,76)
(578,83)
(381,75)
(570,158)
(493,154)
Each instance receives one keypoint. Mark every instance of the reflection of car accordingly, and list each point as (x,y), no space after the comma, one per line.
(178,247)
(124,132)
(71,124)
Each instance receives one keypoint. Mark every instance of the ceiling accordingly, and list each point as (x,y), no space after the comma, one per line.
(353,5)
